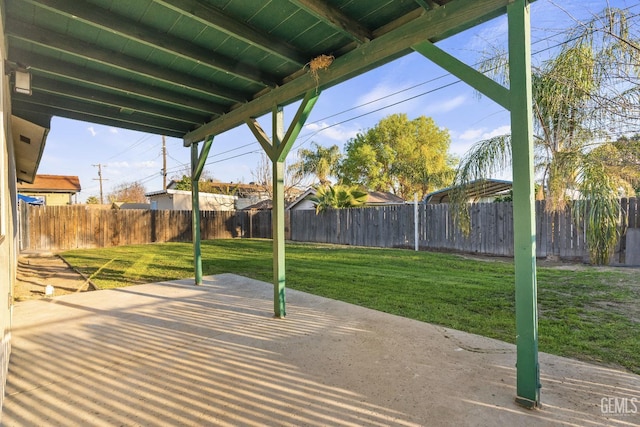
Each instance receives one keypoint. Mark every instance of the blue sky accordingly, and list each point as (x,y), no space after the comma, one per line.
(341,112)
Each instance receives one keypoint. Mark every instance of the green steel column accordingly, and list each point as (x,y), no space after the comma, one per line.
(277,221)
(278,240)
(528,370)
(195,215)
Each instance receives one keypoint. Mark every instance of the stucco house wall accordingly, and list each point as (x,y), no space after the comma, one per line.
(180,200)
(8,218)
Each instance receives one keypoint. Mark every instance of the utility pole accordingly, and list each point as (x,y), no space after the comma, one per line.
(99,166)
(164,162)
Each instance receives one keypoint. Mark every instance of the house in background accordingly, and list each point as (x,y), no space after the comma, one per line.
(374,198)
(245,194)
(478,191)
(55,190)
(180,200)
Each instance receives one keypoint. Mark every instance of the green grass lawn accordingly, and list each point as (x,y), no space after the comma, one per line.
(587,313)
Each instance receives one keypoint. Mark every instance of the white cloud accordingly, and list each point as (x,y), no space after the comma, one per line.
(446,105)
(123,164)
(337,133)
(471,134)
(502,130)
(113,130)
(145,164)
(92,131)
(461,143)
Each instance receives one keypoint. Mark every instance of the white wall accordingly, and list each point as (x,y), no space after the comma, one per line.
(8,218)
(179,200)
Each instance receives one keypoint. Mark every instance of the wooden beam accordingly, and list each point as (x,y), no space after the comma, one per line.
(47,86)
(71,108)
(335,18)
(396,43)
(524,208)
(427,4)
(296,125)
(213,17)
(57,69)
(135,31)
(261,136)
(469,75)
(57,43)
(20,107)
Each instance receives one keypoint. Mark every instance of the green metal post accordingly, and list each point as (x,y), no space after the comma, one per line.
(527,367)
(277,221)
(277,149)
(195,215)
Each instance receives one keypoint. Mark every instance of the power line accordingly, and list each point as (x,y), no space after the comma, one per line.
(310,135)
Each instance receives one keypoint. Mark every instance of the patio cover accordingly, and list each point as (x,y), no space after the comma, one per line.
(196,68)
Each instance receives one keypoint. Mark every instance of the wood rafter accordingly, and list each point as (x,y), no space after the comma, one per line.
(212,17)
(54,68)
(457,16)
(336,18)
(123,103)
(40,104)
(134,31)
(60,43)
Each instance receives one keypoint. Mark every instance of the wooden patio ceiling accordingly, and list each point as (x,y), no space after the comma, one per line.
(191,68)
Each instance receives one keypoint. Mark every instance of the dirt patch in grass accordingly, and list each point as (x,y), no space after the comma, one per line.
(36,271)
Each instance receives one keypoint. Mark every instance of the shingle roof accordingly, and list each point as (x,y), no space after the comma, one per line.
(52,184)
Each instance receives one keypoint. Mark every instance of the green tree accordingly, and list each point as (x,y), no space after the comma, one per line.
(321,162)
(590,85)
(93,200)
(399,155)
(338,197)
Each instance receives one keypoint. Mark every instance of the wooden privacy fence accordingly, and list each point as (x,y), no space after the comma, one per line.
(491,229)
(69,227)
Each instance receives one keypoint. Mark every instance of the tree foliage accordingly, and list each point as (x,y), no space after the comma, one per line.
(93,200)
(399,155)
(321,162)
(591,85)
(132,192)
(338,197)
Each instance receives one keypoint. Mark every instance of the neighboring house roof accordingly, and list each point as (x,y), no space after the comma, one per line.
(308,192)
(383,198)
(52,184)
(374,198)
(169,191)
(477,189)
(263,205)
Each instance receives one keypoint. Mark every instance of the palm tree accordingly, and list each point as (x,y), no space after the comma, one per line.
(338,197)
(589,86)
(319,161)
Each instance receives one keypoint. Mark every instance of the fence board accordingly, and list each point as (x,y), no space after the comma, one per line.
(69,227)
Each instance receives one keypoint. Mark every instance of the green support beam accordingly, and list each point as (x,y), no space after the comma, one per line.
(518,100)
(433,25)
(524,226)
(277,214)
(197,165)
(277,148)
(469,75)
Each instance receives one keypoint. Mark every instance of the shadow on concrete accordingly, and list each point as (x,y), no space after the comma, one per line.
(175,354)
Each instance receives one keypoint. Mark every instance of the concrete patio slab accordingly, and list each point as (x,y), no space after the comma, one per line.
(172,354)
